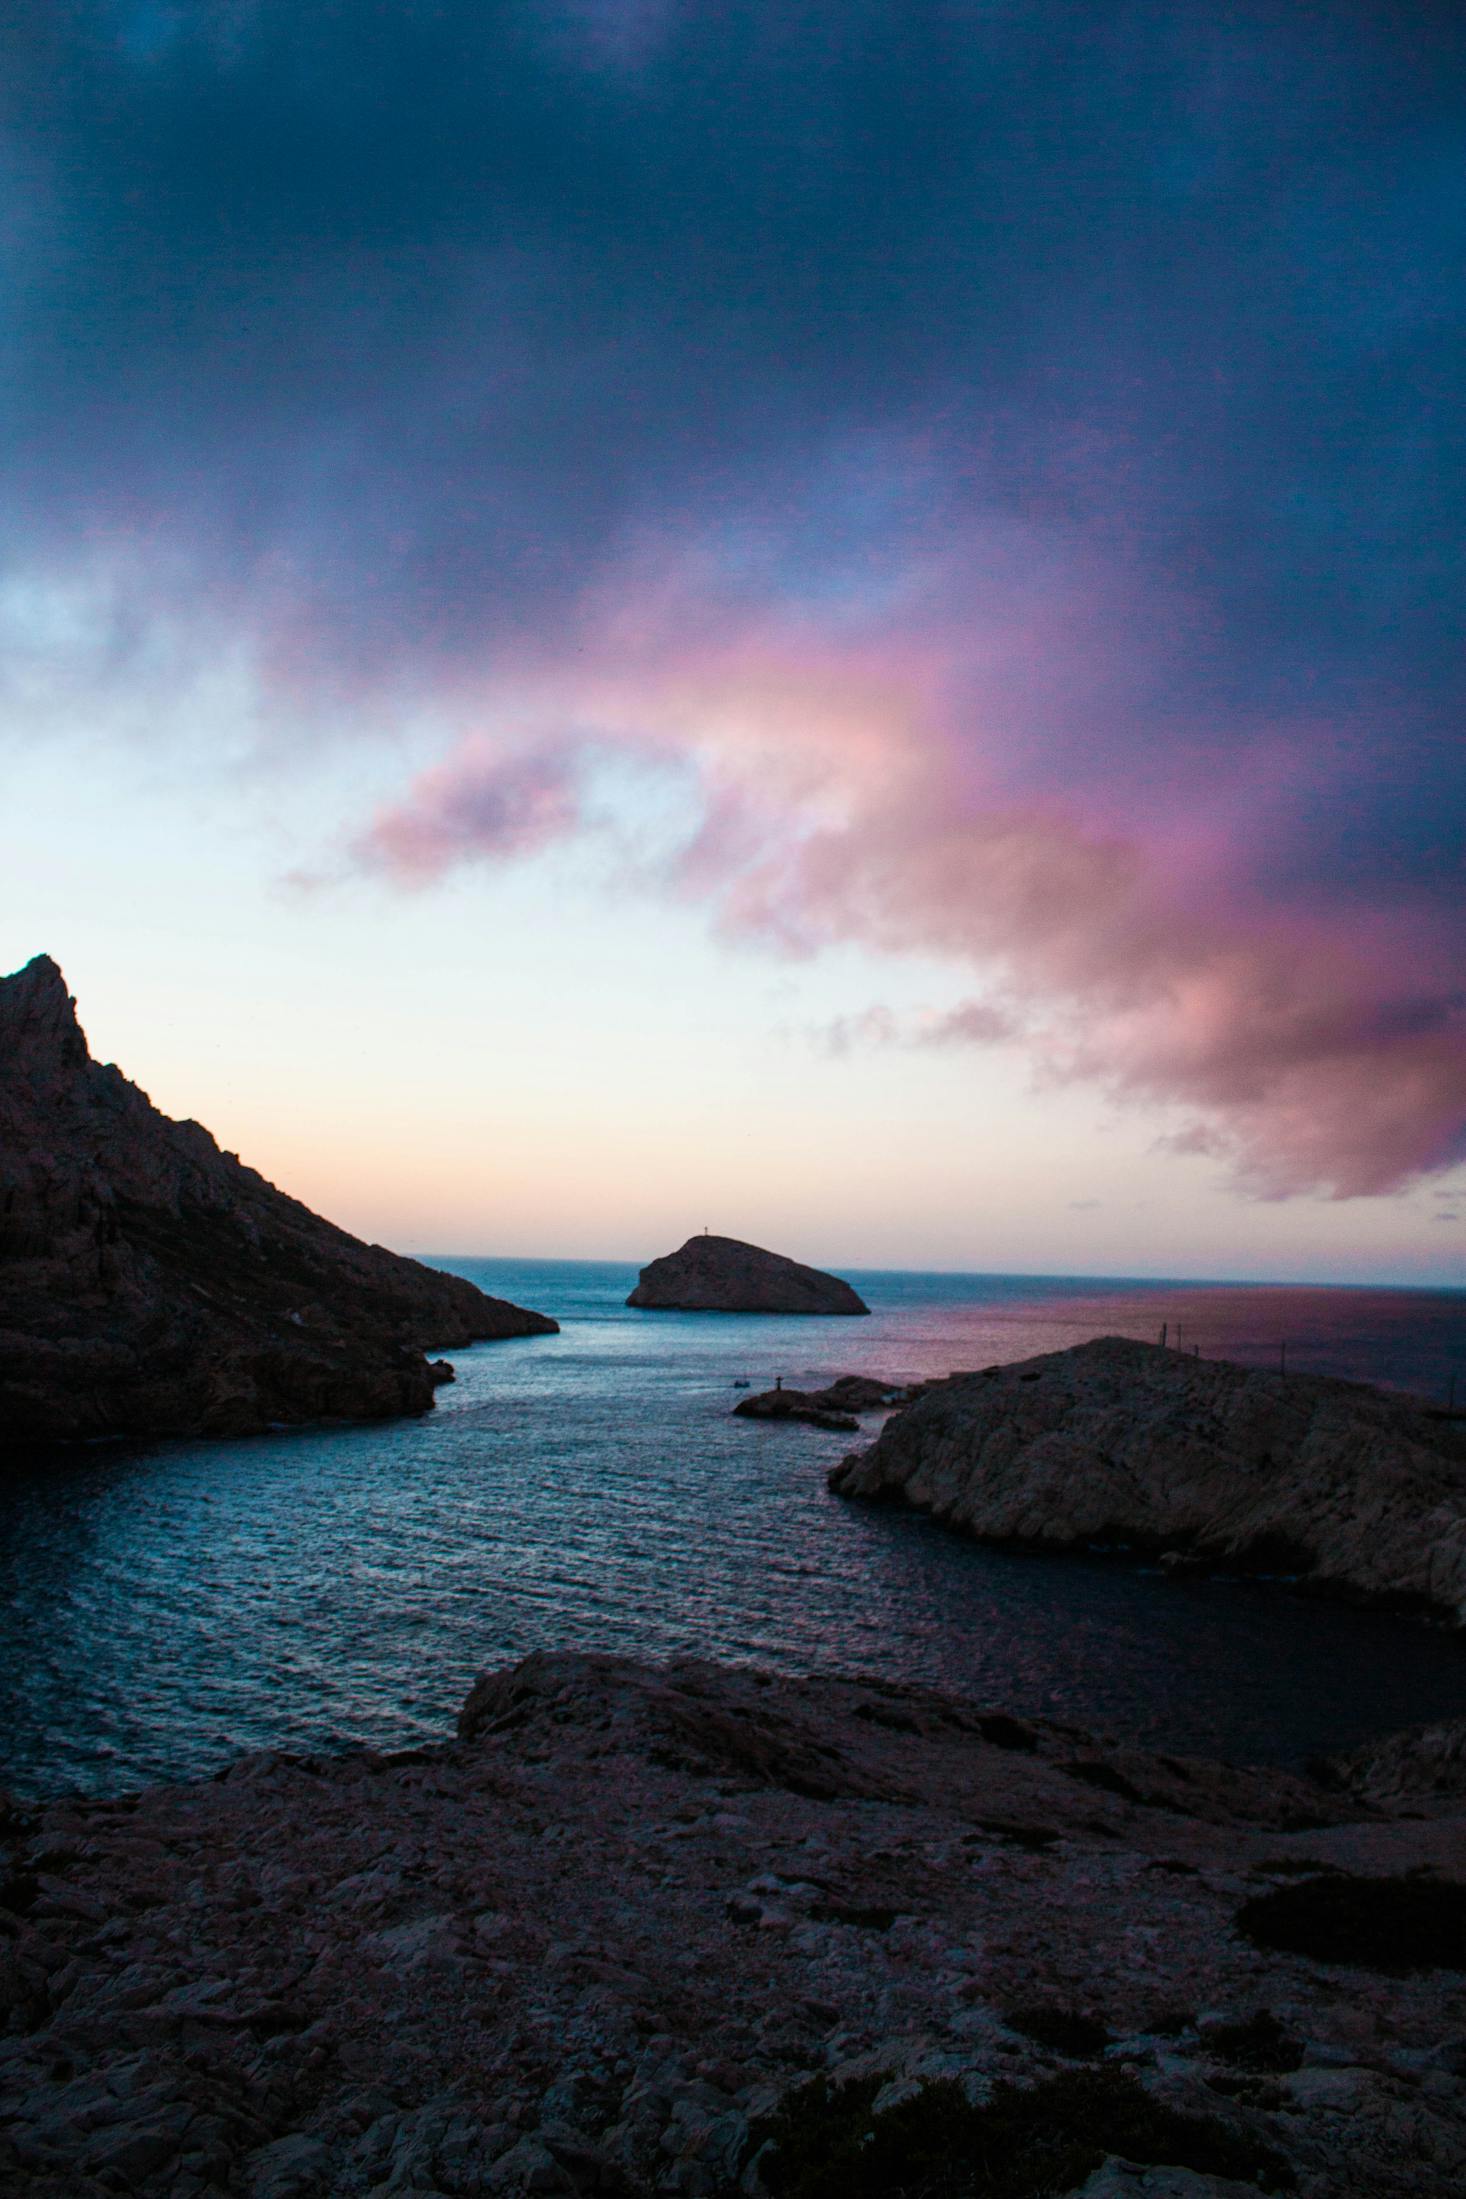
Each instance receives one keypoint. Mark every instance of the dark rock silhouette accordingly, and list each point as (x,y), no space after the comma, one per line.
(1333,1483)
(835,1406)
(796,1405)
(153,1285)
(722,1275)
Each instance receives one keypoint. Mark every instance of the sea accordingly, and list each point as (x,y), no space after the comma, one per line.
(165,1607)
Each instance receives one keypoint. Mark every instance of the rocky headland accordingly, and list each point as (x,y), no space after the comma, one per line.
(150,1284)
(722,1275)
(702,1930)
(1339,1486)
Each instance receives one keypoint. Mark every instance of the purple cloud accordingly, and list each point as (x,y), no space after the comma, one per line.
(1003,463)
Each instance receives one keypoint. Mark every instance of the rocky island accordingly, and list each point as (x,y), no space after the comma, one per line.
(151,1284)
(1335,1484)
(722,1275)
(835,1406)
(709,1931)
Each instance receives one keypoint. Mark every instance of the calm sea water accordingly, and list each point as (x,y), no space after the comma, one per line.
(164,1608)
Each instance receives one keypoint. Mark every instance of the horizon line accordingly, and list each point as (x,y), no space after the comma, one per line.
(1025,1275)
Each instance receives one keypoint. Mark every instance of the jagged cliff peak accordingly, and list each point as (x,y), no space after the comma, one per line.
(40,977)
(151,1284)
(38,1020)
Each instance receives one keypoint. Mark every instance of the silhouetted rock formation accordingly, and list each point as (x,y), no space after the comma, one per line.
(600,1942)
(1334,1483)
(721,1275)
(796,1405)
(835,1406)
(152,1285)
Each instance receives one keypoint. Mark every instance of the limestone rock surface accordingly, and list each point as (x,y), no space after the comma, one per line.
(723,1275)
(1421,1768)
(592,1944)
(151,1284)
(1338,1485)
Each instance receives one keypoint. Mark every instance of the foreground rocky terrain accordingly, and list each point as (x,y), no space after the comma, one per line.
(693,1929)
(152,1285)
(1341,1486)
(722,1275)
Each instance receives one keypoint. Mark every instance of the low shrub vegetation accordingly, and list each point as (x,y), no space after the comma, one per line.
(1392,1925)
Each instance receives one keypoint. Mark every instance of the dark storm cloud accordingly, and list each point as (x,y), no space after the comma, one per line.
(397,334)
(1180,277)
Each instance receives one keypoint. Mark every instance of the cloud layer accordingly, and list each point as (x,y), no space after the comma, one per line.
(997,470)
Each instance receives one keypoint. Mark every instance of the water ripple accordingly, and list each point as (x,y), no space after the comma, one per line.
(164,1608)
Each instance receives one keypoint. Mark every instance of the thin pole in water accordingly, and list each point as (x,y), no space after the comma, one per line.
(1164,1326)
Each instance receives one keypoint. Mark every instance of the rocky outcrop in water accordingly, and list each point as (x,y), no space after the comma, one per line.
(604,1941)
(835,1406)
(153,1285)
(722,1275)
(797,1405)
(1341,1486)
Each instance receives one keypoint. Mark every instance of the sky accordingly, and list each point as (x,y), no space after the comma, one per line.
(840,622)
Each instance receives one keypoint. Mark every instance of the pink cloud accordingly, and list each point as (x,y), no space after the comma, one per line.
(477,804)
(874,1026)
(972,1023)
(869,783)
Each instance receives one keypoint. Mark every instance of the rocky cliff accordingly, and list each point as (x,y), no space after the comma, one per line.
(153,1285)
(1343,1486)
(722,1275)
(733,1935)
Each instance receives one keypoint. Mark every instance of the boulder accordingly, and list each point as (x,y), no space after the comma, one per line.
(860,1393)
(1331,1483)
(151,1284)
(1423,1766)
(722,1275)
